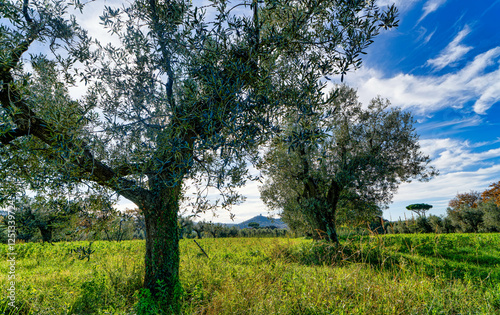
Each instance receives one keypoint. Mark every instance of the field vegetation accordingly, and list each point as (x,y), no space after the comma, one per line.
(189,95)
(389,274)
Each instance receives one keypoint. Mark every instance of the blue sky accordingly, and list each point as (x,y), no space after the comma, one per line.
(443,64)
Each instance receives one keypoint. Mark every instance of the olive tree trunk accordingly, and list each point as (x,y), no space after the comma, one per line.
(323,210)
(327,227)
(162,248)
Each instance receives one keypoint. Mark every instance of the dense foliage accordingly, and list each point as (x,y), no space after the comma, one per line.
(492,194)
(468,199)
(341,162)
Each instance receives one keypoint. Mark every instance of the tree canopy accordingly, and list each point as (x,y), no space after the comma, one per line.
(181,97)
(342,154)
(492,194)
(419,208)
(470,199)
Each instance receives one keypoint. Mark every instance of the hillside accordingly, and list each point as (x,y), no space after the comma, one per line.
(263,222)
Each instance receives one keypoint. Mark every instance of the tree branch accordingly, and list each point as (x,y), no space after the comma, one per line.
(160,32)
(28,123)
(129,169)
(8,137)
(25,13)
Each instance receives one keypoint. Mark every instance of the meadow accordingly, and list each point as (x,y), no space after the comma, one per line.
(390,274)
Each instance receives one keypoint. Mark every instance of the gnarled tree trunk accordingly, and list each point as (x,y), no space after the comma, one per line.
(328,229)
(162,248)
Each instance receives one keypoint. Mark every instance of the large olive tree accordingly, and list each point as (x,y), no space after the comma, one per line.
(188,91)
(341,156)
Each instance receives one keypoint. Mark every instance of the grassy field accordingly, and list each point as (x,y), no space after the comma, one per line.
(394,274)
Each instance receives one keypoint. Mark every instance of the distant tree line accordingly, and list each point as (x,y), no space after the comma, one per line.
(96,219)
(54,220)
(217,230)
(471,212)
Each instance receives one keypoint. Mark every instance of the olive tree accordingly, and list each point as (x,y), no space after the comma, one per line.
(341,154)
(48,215)
(188,92)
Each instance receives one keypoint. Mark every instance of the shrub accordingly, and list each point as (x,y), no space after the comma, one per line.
(436,224)
(423,225)
(145,305)
(467,219)
(491,218)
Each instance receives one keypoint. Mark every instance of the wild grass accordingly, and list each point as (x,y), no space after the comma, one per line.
(393,274)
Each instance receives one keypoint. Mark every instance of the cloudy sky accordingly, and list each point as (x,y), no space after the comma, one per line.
(443,65)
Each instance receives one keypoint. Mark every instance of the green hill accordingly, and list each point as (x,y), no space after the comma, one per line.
(263,222)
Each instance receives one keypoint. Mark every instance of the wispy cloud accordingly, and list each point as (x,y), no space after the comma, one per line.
(429,36)
(440,190)
(491,94)
(451,155)
(453,52)
(431,6)
(402,5)
(477,82)
(463,166)
(424,36)
(448,127)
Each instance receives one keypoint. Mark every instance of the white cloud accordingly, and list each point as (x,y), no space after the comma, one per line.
(431,6)
(442,189)
(427,93)
(451,155)
(428,37)
(453,125)
(424,36)
(453,52)
(402,5)
(491,94)
(463,167)
(252,207)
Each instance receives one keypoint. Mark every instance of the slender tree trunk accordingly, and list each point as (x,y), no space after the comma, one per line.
(162,249)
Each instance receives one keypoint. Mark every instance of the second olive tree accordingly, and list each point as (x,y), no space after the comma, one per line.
(341,158)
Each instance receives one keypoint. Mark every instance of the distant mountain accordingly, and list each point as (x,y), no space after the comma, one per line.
(263,222)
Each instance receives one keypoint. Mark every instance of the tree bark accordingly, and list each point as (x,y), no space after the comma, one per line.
(46,232)
(324,213)
(329,228)
(328,222)
(162,248)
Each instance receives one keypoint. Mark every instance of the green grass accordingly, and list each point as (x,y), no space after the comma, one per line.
(393,274)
